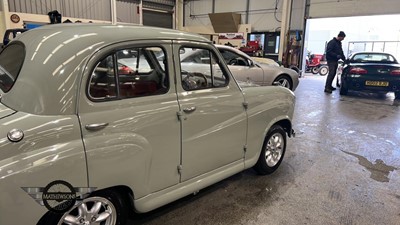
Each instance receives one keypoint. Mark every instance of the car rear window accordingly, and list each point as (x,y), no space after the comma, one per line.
(11,60)
(374,57)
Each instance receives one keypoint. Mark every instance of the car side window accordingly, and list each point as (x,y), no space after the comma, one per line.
(129,73)
(200,69)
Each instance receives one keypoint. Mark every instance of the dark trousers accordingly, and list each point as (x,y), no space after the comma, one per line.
(333,65)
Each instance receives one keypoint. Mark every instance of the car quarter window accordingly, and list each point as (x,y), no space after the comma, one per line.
(129,73)
(11,60)
(201,69)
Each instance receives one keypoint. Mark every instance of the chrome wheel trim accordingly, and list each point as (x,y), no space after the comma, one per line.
(284,82)
(274,149)
(101,212)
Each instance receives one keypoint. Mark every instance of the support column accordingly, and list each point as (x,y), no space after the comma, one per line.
(179,7)
(285,26)
(114,11)
(4,17)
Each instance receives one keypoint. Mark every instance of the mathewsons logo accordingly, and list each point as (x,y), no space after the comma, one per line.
(58,196)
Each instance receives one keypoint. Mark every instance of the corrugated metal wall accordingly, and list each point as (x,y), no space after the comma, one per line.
(87,9)
(162,5)
(127,10)
(158,13)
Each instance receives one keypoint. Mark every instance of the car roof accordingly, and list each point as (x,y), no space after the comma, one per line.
(109,32)
(237,51)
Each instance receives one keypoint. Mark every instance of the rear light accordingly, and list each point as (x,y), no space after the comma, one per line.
(395,72)
(358,70)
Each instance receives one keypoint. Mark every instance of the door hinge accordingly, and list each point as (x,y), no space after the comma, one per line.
(179,114)
(245,105)
(245,148)
(180,169)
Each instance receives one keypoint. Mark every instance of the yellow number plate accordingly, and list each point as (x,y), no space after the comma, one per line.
(377,83)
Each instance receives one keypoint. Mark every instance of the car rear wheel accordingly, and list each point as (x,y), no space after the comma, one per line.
(272,152)
(343,89)
(284,81)
(397,95)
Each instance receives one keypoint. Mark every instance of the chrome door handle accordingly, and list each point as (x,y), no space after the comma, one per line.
(189,110)
(96,126)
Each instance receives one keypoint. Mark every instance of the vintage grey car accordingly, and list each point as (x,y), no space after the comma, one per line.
(86,140)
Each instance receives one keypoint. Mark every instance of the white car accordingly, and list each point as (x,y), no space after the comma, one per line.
(244,68)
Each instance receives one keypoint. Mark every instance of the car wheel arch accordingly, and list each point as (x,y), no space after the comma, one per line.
(284,122)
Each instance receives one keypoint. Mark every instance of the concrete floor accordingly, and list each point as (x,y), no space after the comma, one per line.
(341,168)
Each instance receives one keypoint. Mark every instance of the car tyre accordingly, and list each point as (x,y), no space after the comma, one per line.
(107,206)
(343,89)
(272,152)
(284,81)
(397,95)
(323,71)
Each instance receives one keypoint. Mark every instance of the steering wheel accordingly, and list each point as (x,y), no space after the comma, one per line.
(196,74)
(233,61)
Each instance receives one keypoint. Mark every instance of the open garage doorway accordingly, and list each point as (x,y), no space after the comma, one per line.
(363,33)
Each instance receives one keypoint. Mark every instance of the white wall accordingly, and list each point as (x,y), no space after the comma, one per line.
(364,28)
(261,13)
(339,8)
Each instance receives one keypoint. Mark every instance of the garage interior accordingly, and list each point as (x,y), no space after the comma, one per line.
(342,167)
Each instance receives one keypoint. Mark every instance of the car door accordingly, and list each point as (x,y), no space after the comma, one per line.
(212,114)
(127,109)
(243,69)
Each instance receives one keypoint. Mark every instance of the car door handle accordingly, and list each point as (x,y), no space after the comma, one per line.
(96,126)
(189,110)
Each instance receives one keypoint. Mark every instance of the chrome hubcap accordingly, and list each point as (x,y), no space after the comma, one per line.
(274,150)
(284,83)
(91,211)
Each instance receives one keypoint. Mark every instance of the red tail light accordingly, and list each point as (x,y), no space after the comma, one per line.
(395,72)
(358,70)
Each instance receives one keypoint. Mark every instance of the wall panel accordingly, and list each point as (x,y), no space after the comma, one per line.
(232,6)
(127,12)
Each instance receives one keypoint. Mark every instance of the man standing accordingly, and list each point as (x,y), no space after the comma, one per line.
(334,52)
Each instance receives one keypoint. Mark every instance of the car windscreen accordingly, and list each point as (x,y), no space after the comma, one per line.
(11,60)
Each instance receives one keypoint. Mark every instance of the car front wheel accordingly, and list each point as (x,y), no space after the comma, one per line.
(103,208)
(283,81)
(272,152)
